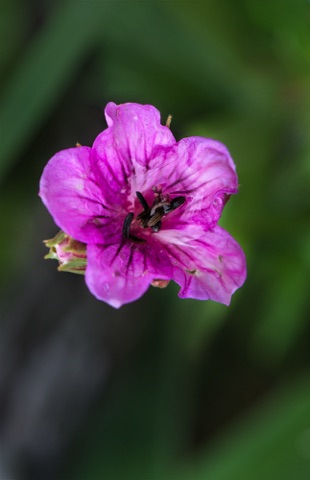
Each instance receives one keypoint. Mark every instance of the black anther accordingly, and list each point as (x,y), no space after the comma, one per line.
(143,201)
(175,203)
(126,227)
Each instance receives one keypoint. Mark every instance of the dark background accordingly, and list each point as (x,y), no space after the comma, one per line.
(162,388)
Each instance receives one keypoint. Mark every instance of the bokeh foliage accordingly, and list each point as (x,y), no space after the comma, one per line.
(210,392)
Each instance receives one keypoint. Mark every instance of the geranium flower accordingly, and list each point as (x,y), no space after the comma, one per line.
(147,207)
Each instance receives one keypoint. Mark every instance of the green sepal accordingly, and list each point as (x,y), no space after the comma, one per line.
(70,253)
(52,242)
(77,265)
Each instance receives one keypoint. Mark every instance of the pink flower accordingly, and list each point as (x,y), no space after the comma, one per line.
(147,208)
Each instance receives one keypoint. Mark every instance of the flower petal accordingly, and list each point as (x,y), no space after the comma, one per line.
(137,131)
(122,272)
(210,267)
(200,169)
(69,190)
(122,152)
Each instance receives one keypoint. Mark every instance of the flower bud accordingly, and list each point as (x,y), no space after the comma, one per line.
(70,253)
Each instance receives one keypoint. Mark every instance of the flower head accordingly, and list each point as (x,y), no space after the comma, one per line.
(147,207)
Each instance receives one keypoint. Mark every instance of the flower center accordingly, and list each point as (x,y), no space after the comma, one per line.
(151,217)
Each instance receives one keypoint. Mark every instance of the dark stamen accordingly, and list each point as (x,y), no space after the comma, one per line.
(126,227)
(145,215)
(160,206)
(142,201)
(151,217)
(175,203)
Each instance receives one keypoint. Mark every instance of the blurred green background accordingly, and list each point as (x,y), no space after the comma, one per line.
(163,388)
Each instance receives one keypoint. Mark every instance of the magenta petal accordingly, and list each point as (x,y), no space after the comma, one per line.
(137,131)
(69,190)
(211,267)
(122,153)
(203,171)
(121,273)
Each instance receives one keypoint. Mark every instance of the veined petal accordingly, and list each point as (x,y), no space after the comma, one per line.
(69,190)
(200,169)
(122,272)
(210,267)
(122,153)
(137,131)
